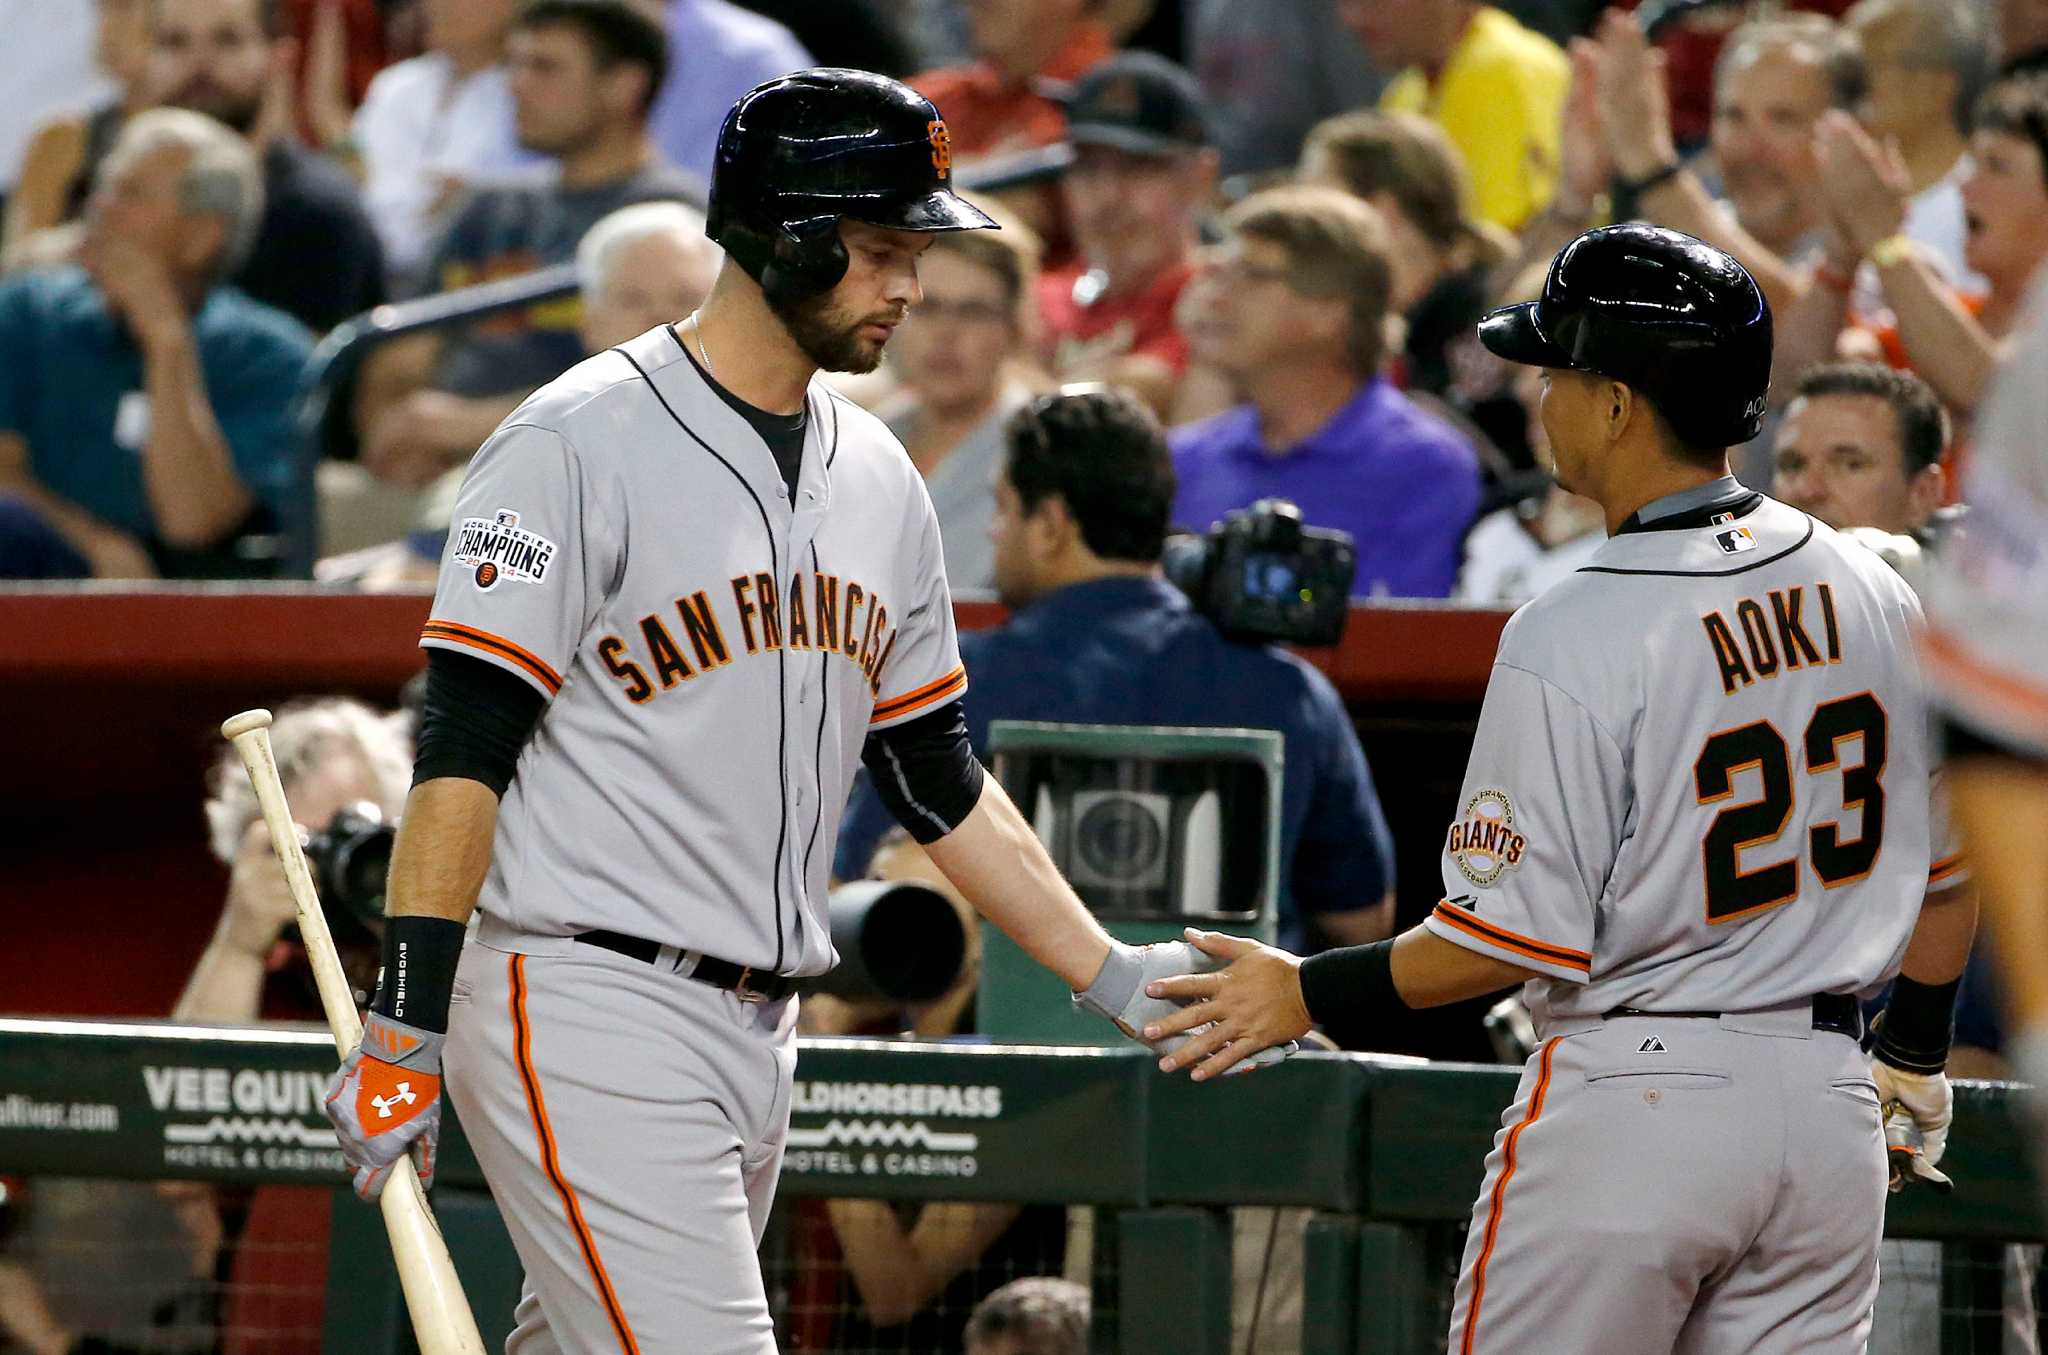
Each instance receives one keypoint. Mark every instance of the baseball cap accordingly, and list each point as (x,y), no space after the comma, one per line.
(1138,102)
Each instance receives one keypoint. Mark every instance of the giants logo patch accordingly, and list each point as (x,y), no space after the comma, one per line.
(1484,843)
(497,548)
(942,147)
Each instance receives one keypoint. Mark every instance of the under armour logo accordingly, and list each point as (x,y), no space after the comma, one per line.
(1653,1045)
(406,1096)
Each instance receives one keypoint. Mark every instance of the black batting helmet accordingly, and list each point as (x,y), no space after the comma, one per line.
(799,153)
(1671,316)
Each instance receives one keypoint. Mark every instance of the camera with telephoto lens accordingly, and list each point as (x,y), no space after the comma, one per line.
(898,941)
(1260,575)
(348,861)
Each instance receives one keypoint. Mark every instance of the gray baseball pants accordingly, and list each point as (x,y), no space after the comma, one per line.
(630,1122)
(1702,1186)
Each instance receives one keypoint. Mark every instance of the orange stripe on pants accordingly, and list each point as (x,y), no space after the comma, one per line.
(522,1035)
(1500,1190)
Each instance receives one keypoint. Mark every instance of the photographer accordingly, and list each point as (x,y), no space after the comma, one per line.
(1099,637)
(345,769)
(332,753)
(904,1275)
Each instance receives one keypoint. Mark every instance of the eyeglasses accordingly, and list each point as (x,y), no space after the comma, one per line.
(1233,270)
(966,312)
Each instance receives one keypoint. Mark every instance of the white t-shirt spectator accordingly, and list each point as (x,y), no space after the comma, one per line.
(46,68)
(1934,220)
(1505,565)
(422,134)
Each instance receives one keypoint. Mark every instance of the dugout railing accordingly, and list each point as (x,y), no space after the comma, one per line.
(322,415)
(1386,1151)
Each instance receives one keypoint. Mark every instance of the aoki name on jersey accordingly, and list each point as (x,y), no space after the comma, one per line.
(1769,636)
(817,613)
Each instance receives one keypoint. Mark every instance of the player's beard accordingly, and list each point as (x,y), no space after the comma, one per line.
(828,337)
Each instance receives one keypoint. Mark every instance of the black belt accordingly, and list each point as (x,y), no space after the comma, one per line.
(1836,1012)
(749,985)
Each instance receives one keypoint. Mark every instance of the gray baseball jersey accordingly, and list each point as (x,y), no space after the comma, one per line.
(1701,781)
(714,658)
(1701,787)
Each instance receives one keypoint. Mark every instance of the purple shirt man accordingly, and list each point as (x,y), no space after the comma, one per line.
(716,52)
(1403,482)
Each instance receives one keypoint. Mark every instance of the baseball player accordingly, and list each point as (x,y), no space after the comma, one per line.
(1698,820)
(687,590)
(1987,657)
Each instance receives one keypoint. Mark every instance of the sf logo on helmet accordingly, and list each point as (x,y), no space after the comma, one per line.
(942,146)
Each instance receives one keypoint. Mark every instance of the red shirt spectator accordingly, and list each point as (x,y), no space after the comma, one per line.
(1144,168)
(340,42)
(1692,46)
(1138,323)
(1005,100)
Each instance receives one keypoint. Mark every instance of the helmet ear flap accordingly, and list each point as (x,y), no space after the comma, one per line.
(807,258)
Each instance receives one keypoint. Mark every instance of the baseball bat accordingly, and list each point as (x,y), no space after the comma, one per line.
(441,1317)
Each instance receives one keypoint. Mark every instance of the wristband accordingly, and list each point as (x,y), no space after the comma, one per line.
(1918,1025)
(1627,194)
(1635,188)
(418,977)
(1350,992)
(1833,280)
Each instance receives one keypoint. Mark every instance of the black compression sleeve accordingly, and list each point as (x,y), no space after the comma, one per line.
(1918,1025)
(1350,993)
(926,772)
(418,978)
(475,719)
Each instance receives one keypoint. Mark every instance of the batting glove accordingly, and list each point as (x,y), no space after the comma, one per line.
(1917,1109)
(1118,995)
(386,1098)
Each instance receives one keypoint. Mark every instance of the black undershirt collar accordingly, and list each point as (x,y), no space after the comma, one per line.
(1699,506)
(784,433)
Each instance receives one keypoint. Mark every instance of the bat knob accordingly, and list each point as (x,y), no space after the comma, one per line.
(247,722)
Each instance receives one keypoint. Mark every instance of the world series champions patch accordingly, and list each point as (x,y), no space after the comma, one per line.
(497,547)
(1484,842)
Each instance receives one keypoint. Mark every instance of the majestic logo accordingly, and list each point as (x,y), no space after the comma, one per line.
(499,548)
(1653,1045)
(403,1096)
(1735,540)
(942,147)
(1484,843)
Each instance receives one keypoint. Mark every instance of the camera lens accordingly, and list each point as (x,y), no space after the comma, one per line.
(1119,839)
(360,864)
(1270,576)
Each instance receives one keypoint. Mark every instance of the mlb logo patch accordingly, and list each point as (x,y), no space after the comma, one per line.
(1735,540)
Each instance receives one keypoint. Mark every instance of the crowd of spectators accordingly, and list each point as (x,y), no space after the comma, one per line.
(1274,224)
